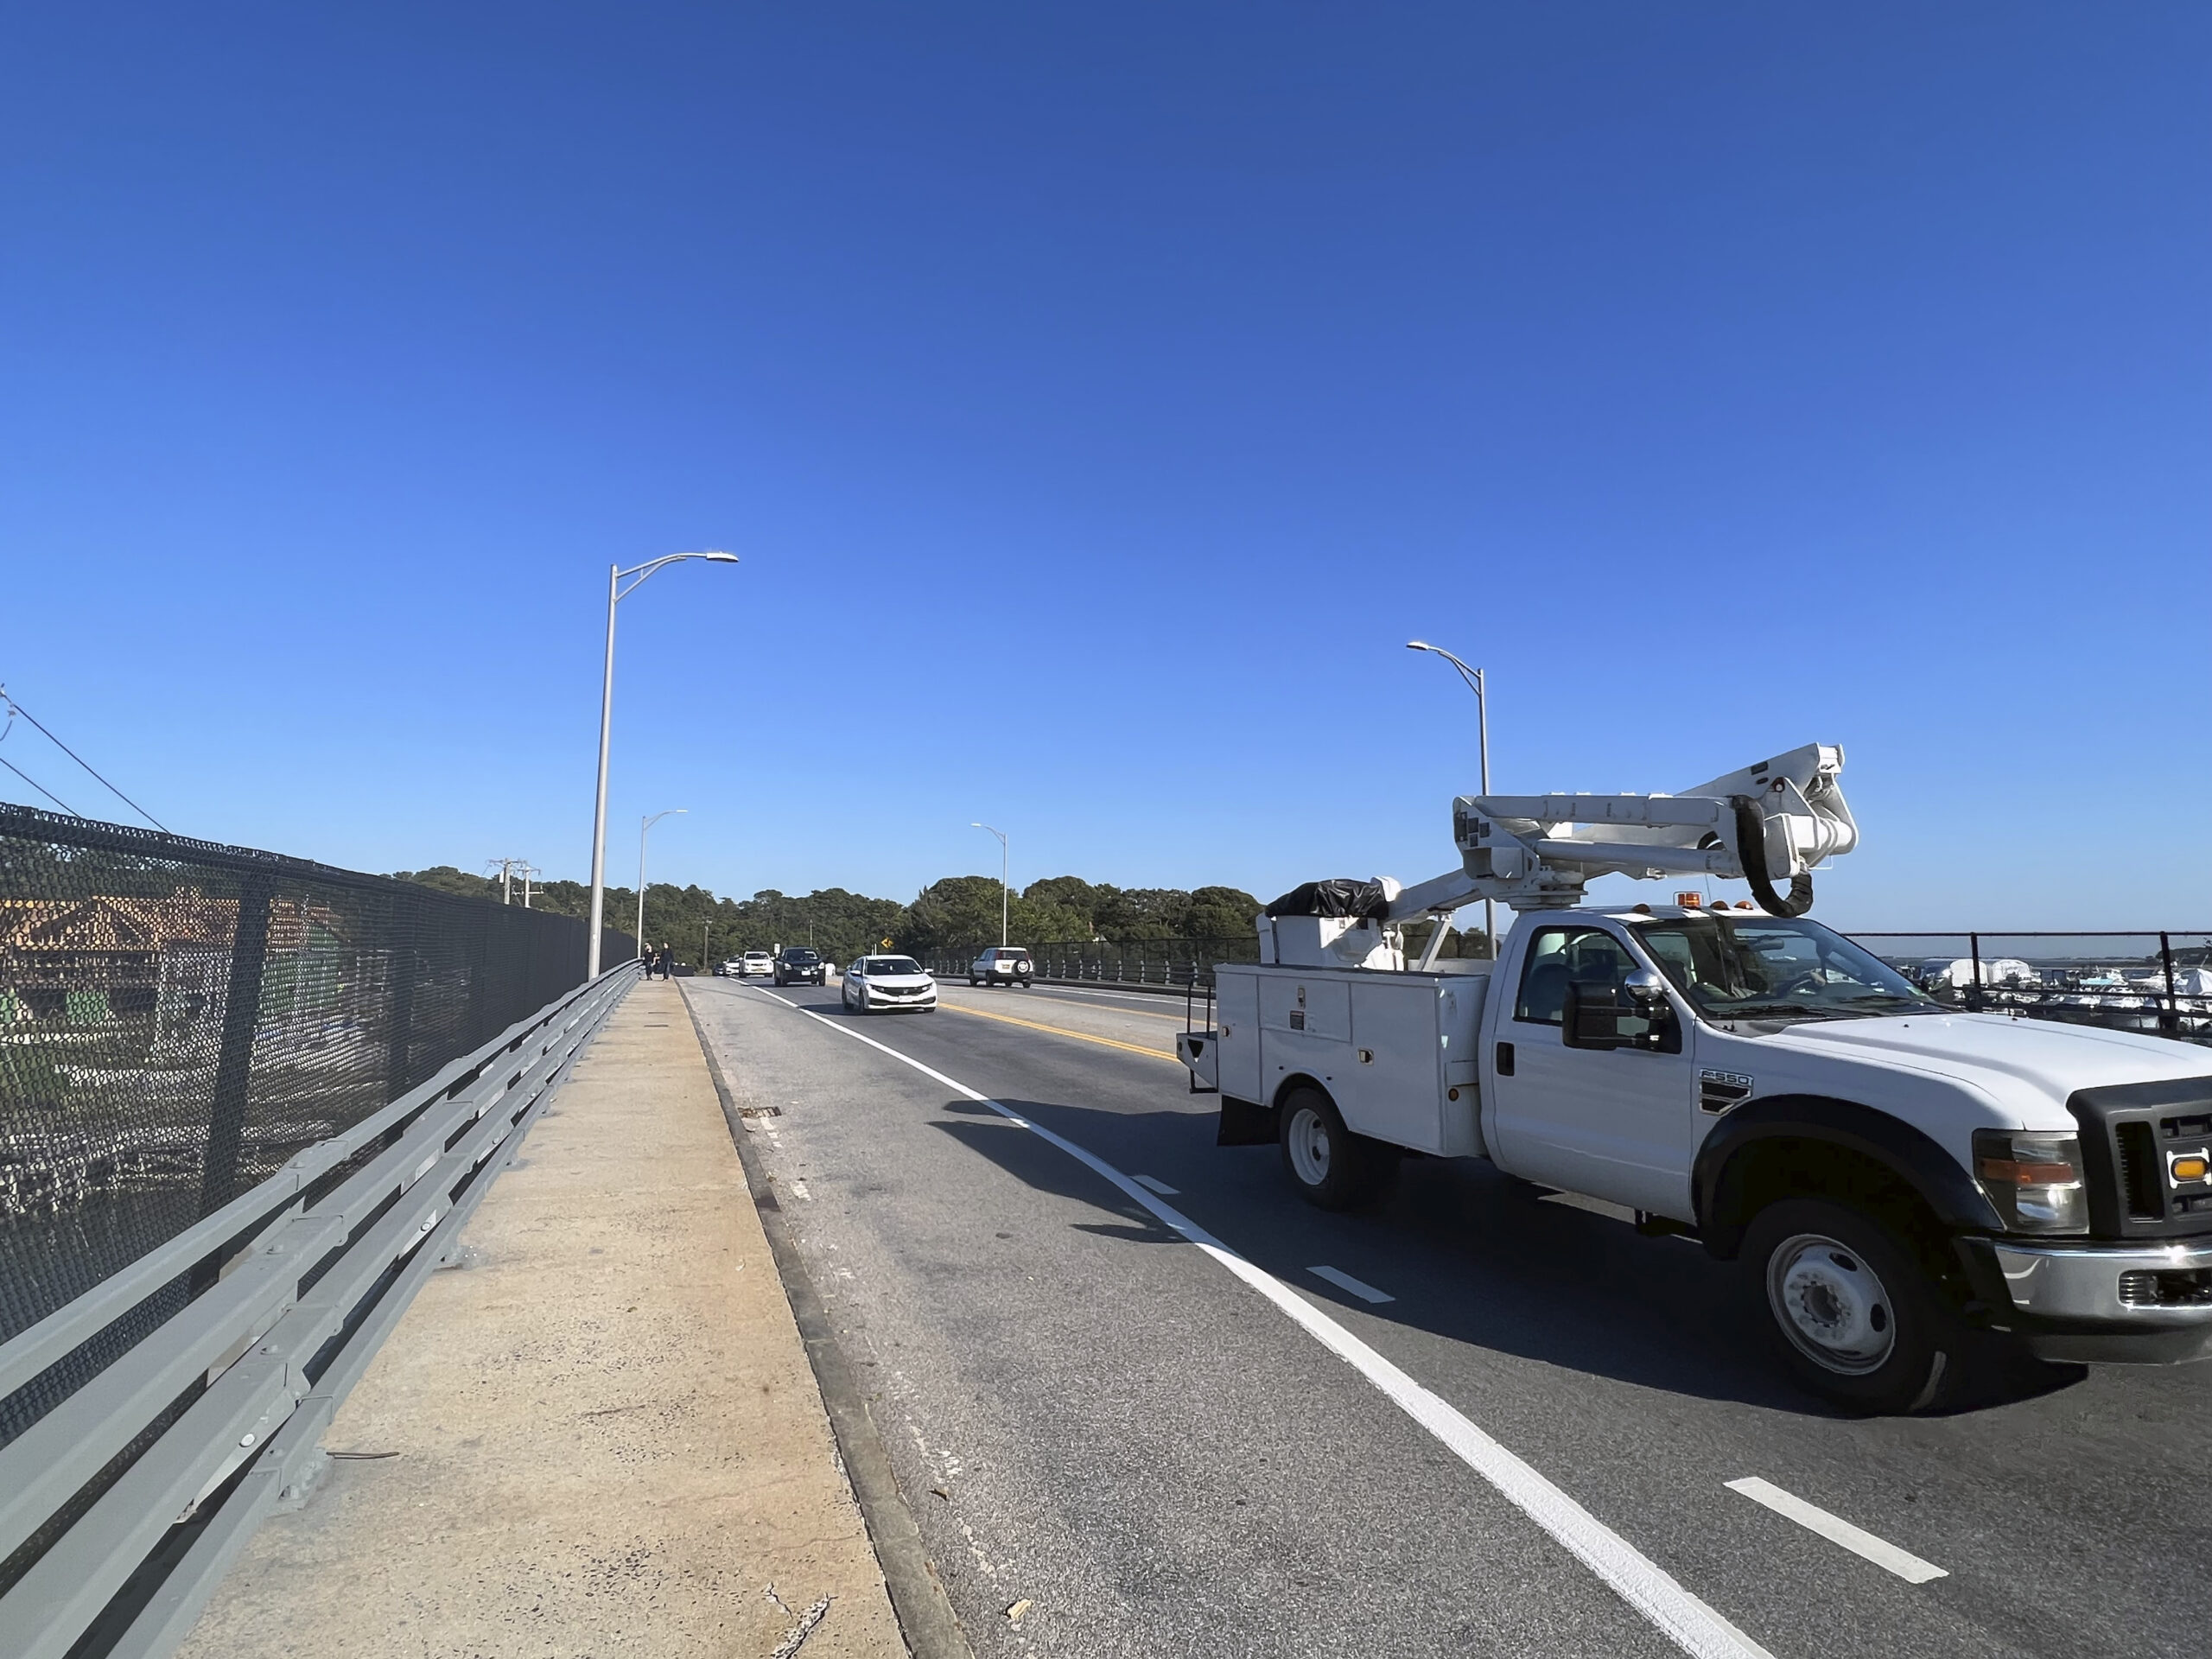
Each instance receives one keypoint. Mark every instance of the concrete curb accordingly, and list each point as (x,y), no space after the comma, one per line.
(925,1615)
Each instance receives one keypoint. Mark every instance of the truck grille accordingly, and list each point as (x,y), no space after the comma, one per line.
(2128,1129)
(2139,1185)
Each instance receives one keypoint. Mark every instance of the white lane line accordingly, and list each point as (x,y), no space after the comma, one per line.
(1156,1186)
(1693,1626)
(1903,1563)
(1366,1293)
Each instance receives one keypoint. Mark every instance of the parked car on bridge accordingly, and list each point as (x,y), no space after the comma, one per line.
(874,982)
(1003,965)
(757,961)
(799,965)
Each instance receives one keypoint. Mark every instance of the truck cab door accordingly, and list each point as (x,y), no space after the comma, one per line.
(1614,1123)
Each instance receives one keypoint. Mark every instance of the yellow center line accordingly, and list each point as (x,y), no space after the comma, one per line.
(1060,1031)
(1103,1008)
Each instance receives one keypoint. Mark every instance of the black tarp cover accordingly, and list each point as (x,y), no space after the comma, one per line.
(1343,896)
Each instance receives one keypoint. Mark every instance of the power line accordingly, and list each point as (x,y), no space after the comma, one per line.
(41,788)
(15,708)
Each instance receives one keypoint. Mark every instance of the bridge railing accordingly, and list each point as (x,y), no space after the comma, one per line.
(1134,961)
(218,1066)
(121,1507)
(2156,982)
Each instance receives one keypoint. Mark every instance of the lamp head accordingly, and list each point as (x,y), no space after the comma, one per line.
(1419,644)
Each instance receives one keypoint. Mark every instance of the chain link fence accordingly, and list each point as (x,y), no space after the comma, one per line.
(178,1019)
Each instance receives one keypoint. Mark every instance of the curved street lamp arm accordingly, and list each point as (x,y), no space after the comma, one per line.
(643,572)
(1466,673)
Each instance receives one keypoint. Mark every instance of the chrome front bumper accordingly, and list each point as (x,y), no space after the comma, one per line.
(2101,1303)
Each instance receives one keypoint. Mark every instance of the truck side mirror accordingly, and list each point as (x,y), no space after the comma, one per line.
(1591,1018)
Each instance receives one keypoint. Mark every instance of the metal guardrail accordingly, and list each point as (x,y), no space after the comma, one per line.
(2120,979)
(2124,980)
(1134,962)
(122,1506)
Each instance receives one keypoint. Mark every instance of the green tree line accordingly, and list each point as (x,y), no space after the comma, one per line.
(953,913)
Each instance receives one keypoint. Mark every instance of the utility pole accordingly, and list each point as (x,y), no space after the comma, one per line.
(507,868)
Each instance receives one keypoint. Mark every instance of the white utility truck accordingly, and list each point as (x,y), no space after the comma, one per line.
(1896,1176)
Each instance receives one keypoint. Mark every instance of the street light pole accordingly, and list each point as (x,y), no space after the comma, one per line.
(1473,677)
(1001,834)
(644,824)
(615,593)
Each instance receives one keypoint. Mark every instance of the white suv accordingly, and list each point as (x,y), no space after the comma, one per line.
(757,961)
(1003,965)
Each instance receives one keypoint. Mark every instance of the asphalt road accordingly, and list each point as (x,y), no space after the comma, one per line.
(1146,1440)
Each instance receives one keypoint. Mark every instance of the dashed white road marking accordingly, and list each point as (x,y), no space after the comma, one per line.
(1153,1184)
(1903,1563)
(1342,1280)
(1682,1618)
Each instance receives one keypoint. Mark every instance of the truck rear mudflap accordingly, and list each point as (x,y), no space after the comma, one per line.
(1244,1123)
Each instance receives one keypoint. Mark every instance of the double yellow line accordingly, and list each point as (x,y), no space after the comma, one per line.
(1062,1031)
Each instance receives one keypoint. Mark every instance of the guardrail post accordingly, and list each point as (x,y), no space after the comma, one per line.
(2168,1022)
(219,1171)
(1973,945)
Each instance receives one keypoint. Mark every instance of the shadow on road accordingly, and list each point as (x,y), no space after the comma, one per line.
(1471,1256)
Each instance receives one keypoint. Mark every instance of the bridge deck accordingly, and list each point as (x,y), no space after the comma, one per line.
(599,1434)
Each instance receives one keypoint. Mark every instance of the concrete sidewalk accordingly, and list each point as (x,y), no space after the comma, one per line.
(598,1434)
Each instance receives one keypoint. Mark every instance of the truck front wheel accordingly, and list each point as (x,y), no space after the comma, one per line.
(1857,1318)
(1333,1167)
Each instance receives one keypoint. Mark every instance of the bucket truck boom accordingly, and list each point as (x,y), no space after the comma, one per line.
(1768,822)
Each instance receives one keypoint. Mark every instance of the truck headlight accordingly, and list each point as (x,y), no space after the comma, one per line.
(2034,1179)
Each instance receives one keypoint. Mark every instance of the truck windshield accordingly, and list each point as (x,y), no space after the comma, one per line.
(1775,967)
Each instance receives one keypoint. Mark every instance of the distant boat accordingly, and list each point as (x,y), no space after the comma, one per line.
(1998,972)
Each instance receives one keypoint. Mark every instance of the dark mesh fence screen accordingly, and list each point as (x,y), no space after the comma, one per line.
(178,1019)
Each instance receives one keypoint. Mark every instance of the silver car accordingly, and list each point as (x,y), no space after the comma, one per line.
(874,982)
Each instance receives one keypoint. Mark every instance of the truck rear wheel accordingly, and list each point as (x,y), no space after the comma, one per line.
(1333,1167)
(1856,1318)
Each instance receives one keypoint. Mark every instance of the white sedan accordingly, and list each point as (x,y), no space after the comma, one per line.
(874,982)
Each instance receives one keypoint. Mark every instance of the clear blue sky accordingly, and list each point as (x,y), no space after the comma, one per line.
(1098,399)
